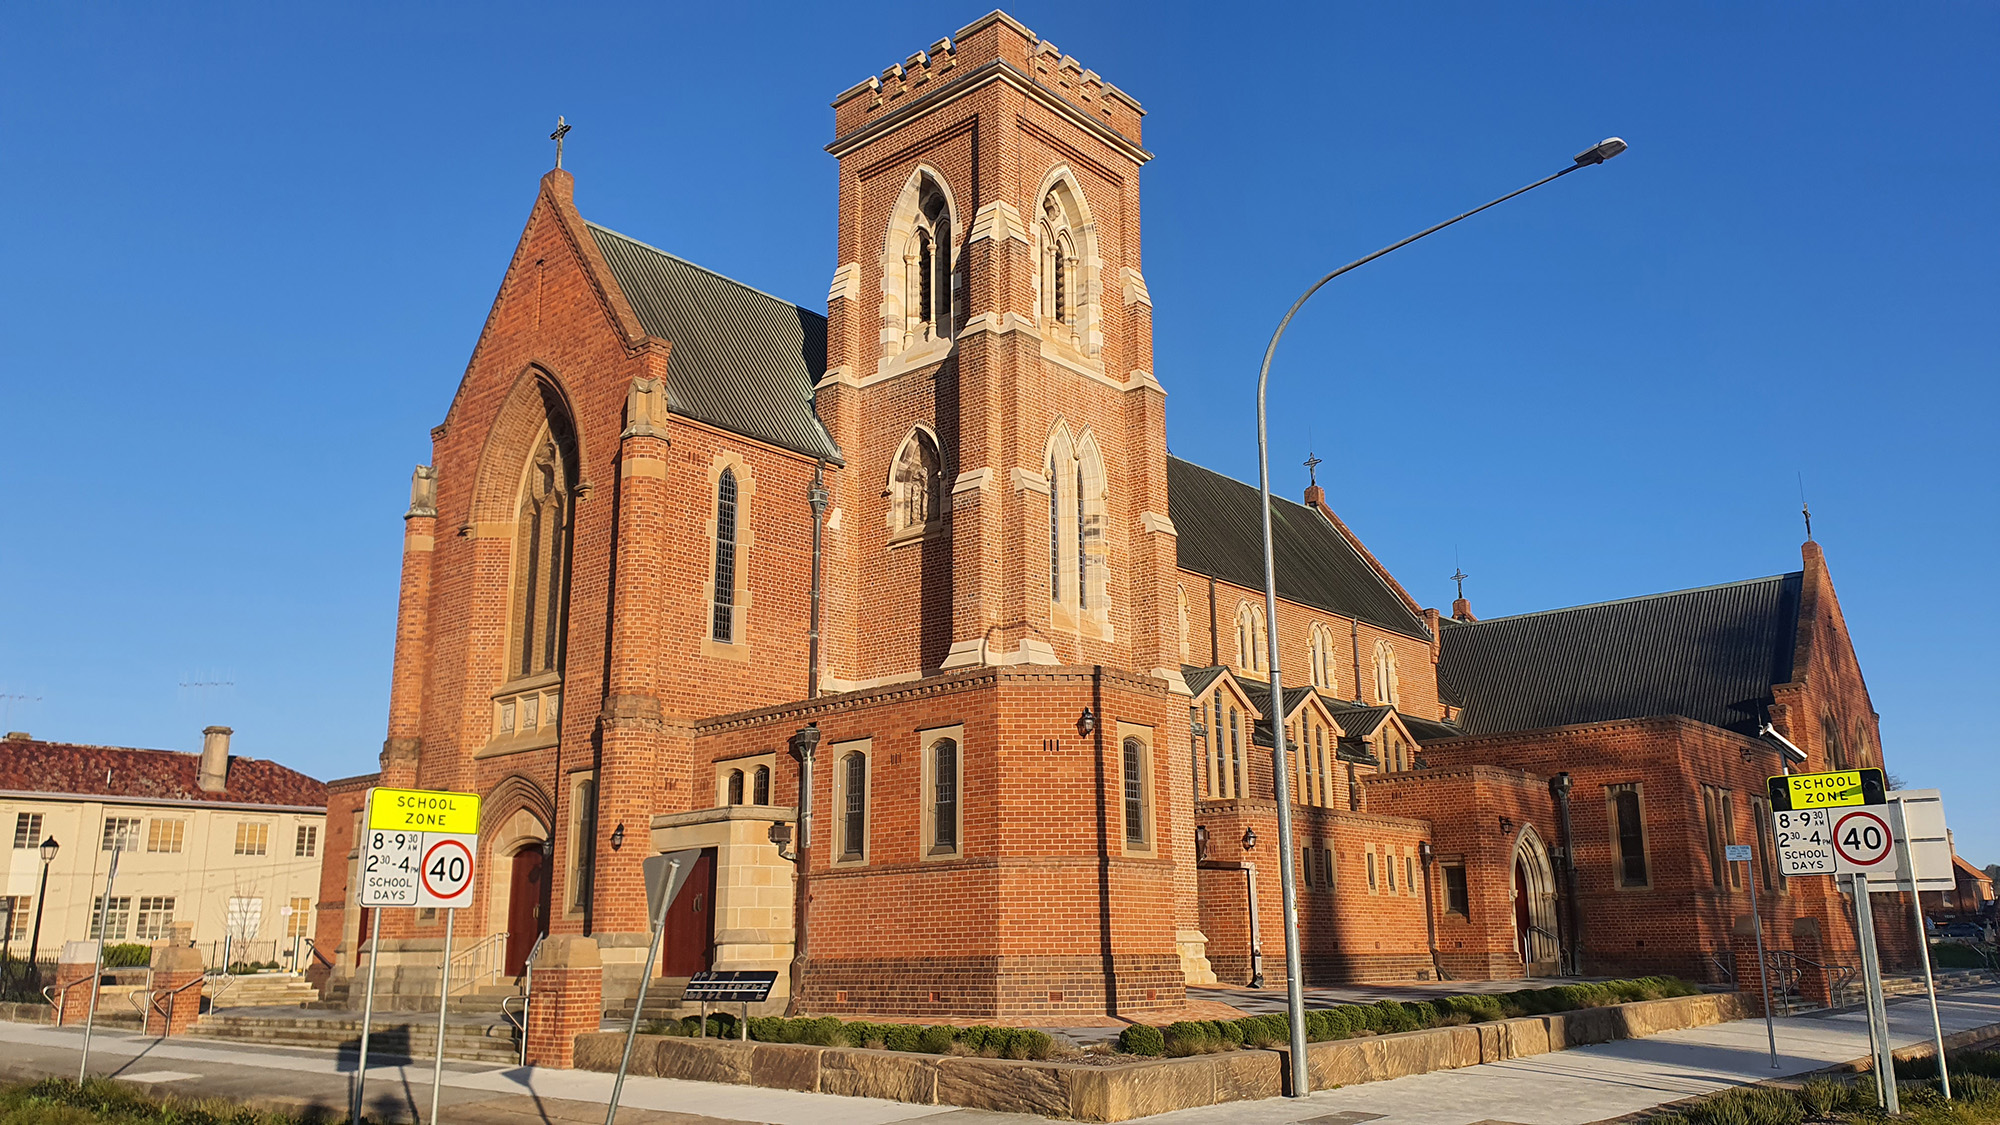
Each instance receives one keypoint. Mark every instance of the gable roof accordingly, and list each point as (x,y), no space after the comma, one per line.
(32,766)
(1222,536)
(741,359)
(1709,654)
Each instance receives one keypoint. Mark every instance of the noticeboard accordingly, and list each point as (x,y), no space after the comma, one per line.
(730,987)
(1830,790)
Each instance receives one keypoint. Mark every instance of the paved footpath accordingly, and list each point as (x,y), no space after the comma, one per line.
(1562,1088)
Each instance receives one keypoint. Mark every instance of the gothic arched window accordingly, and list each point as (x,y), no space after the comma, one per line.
(1829,733)
(1385,674)
(915,483)
(541,557)
(760,786)
(1063,236)
(1077,513)
(1250,637)
(724,626)
(927,268)
(1322,657)
(735,787)
(944,796)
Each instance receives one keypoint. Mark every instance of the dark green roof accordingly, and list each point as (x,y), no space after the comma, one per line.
(741,360)
(1222,536)
(1710,654)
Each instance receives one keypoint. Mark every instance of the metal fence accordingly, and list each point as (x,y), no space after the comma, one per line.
(289,955)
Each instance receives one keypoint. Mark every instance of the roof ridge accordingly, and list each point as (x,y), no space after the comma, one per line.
(698,266)
(1625,601)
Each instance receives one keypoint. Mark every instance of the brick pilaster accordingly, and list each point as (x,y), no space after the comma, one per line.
(73,1003)
(567,999)
(406,682)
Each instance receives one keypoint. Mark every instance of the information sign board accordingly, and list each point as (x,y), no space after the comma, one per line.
(1805,841)
(418,848)
(1737,853)
(1833,789)
(730,987)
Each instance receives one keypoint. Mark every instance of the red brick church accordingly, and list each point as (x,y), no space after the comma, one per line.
(1027,642)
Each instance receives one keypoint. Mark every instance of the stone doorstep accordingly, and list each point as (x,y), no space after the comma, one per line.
(1141,1088)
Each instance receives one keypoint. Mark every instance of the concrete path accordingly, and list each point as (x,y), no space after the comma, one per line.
(1565,1088)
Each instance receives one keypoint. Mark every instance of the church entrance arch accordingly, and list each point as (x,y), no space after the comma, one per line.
(527,906)
(1534,886)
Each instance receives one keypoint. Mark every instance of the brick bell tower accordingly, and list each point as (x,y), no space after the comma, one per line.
(990,371)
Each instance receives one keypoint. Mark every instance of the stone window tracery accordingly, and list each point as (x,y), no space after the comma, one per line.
(1322,657)
(1385,674)
(1251,637)
(1078,552)
(1065,299)
(723,627)
(927,268)
(916,483)
(541,557)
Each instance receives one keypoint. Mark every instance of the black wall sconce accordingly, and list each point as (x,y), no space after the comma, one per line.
(1201,842)
(1086,722)
(1249,839)
(618,836)
(1506,825)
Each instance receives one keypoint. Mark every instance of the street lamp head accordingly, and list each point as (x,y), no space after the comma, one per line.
(49,850)
(1601,151)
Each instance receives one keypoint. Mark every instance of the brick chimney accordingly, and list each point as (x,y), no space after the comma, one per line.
(215,759)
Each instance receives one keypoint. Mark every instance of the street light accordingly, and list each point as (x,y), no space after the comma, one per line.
(1287,873)
(49,850)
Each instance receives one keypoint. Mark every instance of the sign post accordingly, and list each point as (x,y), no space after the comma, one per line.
(418,850)
(97,970)
(664,875)
(1863,845)
(1920,819)
(1741,853)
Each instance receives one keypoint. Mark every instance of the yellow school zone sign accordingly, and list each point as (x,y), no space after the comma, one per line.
(1829,790)
(424,810)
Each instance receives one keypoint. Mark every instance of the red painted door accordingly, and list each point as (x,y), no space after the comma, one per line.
(1523,938)
(527,907)
(367,923)
(690,934)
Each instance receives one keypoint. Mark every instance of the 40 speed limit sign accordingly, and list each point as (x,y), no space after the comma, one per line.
(1863,843)
(418,848)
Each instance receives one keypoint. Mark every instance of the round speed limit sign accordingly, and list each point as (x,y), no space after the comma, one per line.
(1861,840)
(447,869)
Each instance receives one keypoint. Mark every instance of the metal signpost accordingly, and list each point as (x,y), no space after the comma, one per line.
(1741,853)
(97,968)
(419,849)
(1919,825)
(664,875)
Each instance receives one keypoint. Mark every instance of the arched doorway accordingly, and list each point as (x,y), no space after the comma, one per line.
(1534,886)
(527,905)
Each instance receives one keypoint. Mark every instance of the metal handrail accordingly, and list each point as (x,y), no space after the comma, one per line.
(153,1000)
(1727,969)
(223,980)
(51,992)
(1838,977)
(490,947)
(527,990)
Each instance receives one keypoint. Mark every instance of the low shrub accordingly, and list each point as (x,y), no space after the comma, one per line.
(1142,1039)
(1722,1109)
(1822,1096)
(127,955)
(936,1039)
(1769,1106)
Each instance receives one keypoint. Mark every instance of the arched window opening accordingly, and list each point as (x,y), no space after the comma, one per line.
(854,806)
(735,787)
(1385,674)
(1631,837)
(1135,793)
(1830,734)
(724,627)
(1082,541)
(1077,523)
(916,483)
(541,557)
(1235,775)
(927,266)
(944,796)
(1063,237)
(760,789)
(1055,534)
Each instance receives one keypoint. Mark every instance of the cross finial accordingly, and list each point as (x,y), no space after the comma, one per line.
(1805,509)
(1459,576)
(562,130)
(1312,468)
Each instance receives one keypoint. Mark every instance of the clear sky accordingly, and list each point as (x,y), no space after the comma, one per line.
(248,249)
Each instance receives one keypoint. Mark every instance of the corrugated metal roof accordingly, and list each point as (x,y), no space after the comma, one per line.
(1222,536)
(1198,679)
(742,360)
(1710,654)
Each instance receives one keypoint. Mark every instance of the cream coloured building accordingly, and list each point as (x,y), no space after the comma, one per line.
(230,845)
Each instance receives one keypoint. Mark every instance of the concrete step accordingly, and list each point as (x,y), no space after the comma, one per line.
(479,1042)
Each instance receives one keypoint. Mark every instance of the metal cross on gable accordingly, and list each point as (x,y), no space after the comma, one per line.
(562,130)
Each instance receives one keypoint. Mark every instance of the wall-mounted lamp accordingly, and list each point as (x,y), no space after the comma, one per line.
(1200,842)
(1506,825)
(1086,722)
(1249,839)
(618,836)
(548,847)
(781,835)
(1426,852)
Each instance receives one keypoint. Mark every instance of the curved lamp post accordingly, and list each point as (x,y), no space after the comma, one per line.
(1294,987)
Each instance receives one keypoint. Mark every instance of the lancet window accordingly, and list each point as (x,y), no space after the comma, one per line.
(1077,505)
(541,559)
(916,483)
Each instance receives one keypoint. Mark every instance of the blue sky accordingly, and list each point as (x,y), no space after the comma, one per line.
(249,248)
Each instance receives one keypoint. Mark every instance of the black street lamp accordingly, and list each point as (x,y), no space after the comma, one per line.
(49,850)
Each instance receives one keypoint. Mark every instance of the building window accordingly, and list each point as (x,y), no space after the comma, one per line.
(1410,873)
(110,925)
(1064,297)
(1184,624)
(121,834)
(1136,773)
(916,484)
(854,806)
(1322,657)
(735,793)
(1373,886)
(252,838)
(298,923)
(1385,674)
(1767,847)
(1235,773)
(944,790)
(927,268)
(1628,824)
(760,788)
(307,842)
(1456,900)
(1250,636)
(1353,789)
(1077,513)
(1389,869)
(1717,804)
(165,835)
(583,841)
(244,917)
(19,914)
(541,558)
(156,914)
(724,625)
(28,830)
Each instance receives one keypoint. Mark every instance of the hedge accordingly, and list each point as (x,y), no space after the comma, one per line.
(826,1031)
(1192,1037)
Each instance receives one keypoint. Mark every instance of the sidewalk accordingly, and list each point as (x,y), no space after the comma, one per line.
(1564,1088)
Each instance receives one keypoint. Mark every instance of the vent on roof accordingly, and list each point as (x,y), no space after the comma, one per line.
(19,736)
